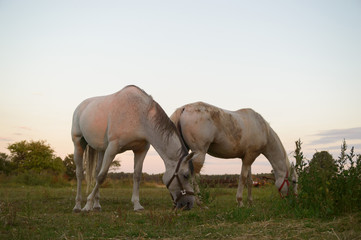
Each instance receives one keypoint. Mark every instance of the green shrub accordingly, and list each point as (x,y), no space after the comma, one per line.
(44,178)
(327,186)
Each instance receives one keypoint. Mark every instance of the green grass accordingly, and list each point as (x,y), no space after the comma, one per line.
(39,212)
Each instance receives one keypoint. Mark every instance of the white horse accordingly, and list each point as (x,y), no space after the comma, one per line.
(233,134)
(129,120)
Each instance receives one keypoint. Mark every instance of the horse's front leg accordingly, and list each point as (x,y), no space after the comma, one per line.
(249,186)
(198,161)
(109,155)
(241,183)
(138,166)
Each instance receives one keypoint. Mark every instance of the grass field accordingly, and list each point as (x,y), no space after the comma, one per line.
(46,213)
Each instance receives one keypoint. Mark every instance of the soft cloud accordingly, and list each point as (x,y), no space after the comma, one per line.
(5,139)
(357,147)
(24,128)
(337,135)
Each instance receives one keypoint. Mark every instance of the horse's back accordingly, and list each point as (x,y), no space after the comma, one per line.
(101,119)
(228,134)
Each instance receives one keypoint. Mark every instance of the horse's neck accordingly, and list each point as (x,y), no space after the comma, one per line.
(276,154)
(169,148)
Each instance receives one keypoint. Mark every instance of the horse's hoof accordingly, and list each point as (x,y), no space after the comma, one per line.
(86,210)
(138,209)
(240,204)
(97,209)
(76,210)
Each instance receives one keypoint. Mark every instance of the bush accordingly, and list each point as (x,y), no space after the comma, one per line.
(34,178)
(346,187)
(327,186)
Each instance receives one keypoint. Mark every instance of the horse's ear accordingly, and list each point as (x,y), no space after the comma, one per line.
(189,157)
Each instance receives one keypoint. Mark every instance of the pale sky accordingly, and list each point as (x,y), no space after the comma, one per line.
(297,63)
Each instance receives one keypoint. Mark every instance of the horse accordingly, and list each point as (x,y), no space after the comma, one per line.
(233,134)
(129,119)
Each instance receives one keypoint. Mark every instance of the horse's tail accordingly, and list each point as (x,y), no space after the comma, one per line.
(175,118)
(90,162)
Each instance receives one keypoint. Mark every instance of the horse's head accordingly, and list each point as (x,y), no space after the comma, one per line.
(178,183)
(284,185)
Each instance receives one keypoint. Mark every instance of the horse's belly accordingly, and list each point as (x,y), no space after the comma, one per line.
(95,135)
(97,142)
(225,151)
(138,145)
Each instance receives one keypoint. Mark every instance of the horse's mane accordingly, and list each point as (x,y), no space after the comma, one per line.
(138,89)
(165,126)
(276,140)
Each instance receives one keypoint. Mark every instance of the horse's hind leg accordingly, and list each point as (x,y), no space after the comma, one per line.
(79,146)
(96,205)
(138,166)
(109,155)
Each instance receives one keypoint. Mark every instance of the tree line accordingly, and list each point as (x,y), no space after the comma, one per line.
(37,157)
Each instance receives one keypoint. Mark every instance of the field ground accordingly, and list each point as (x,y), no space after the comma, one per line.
(46,213)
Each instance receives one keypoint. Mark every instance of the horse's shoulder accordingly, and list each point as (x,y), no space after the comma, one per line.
(201,108)
(250,115)
(249,112)
(246,111)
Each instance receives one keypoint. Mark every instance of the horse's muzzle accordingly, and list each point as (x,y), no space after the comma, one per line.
(185,202)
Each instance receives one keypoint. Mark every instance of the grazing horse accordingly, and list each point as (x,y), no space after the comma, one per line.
(129,120)
(233,134)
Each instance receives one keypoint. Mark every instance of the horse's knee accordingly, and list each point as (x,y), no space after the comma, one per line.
(101,178)
(240,201)
(137,176)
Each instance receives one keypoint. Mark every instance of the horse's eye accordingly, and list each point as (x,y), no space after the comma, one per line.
(186,176)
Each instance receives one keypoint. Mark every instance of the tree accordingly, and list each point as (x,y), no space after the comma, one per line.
(115,164)
(36,156)
(300,160)
(341,160)
(70,166)
(324,162)
(6,166)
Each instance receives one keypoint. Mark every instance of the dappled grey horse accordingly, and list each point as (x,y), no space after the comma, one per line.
(233,134)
